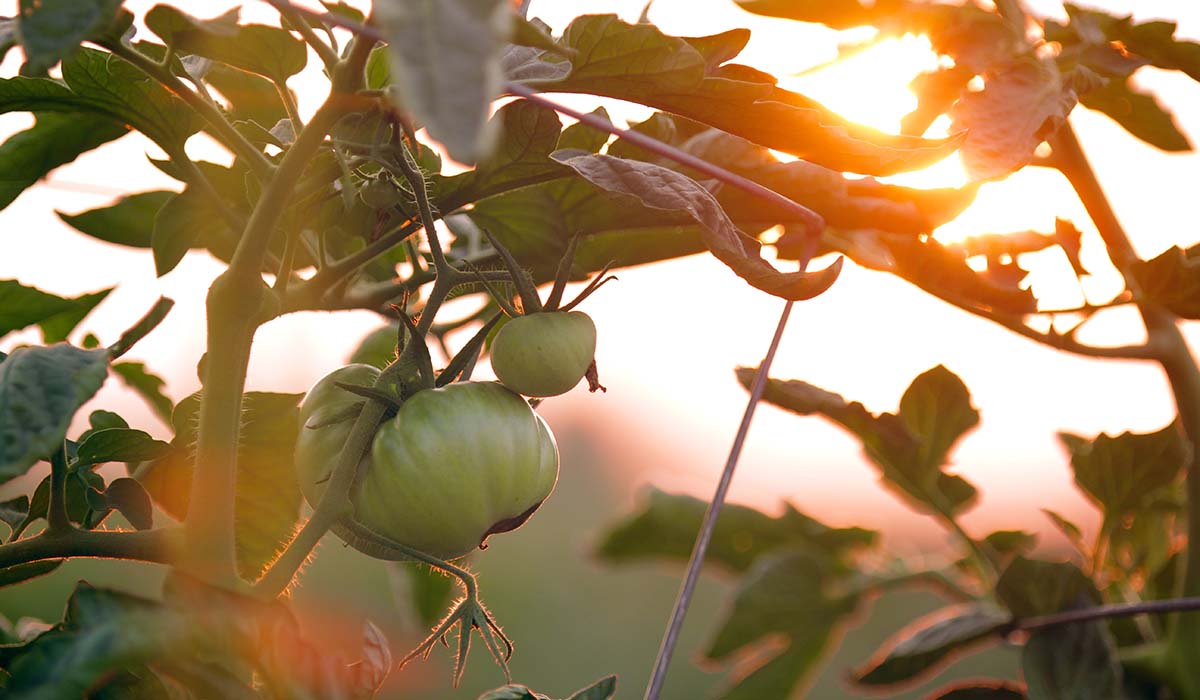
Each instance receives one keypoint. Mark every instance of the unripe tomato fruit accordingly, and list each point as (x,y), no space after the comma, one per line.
(544,354)
(454,465)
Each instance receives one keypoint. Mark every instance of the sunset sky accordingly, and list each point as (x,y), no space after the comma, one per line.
(672,404)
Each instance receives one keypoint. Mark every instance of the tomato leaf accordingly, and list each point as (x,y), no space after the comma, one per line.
(1123,474)
(638,63)
(1022,103)
(50,30)
(129,497)
(427,591)
(147,385)
(184,222)
(14,511)
(20,573)
(603,689)
(784,593)
(54,140)
(660,188)
(1172,279)
(251,97)
(1072,662)
(422,71)
(667,525)
(1031,587)
(268,51)
(911,447)
(929,643)
(41,388)
(128,222)
(119,445)
(268,496)
(1140,113)
(22,306)
(980,690)
(101,82)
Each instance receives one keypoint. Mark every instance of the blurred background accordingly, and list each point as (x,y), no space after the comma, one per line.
(670,336)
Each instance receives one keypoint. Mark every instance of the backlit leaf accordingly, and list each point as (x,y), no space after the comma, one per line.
(268,51)
(129,221)
(119,445)
(1140,113)
(980,690)
(1172,280)
(448,91)
(41,388)
(1072,662)
(50,30)
(131,499)
(148,385)
(1122,474)
(55,139)
(927,644)
(22,306)
(1031,587)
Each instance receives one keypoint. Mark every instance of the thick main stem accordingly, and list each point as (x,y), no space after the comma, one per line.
(1169,347)
(160,546)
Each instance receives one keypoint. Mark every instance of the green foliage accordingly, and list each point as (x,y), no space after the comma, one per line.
(41,388)
(128,221)
(1072,663)
(268,496)
(54,140)
(927,645)
(1172,279)
(603,689)
(267,51)
(50,30)
(22,306)
(147,385)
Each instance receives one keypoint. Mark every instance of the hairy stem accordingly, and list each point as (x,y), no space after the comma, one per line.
(56,511)
(161,546)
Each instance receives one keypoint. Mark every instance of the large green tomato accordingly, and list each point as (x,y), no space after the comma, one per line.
(454,466)
(544,354)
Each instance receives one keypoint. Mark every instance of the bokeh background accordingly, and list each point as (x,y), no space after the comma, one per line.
(670,336)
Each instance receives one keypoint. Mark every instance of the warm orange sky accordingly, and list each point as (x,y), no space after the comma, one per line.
(673,405)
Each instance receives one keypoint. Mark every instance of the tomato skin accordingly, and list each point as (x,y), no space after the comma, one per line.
(453,466)
(544,354)
(317,449)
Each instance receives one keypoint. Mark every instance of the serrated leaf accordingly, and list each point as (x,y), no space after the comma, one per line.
(41,388)
(251,98)
(104,83)
(1072,662)
(1122,474)
(639,63)
(50,30)
(1022,103)
(659,188)
(268,495)
(1154,41)
(20,573)
(421,70)
(119,445)
(1172,280)
(268,51)
(911,447)
(148,385)
(54,140)
(928,644)
(130,498)
(1139,113)
(667,526)
(1031,587)
(22,306)
(184,222)
(129,221)
(936,93)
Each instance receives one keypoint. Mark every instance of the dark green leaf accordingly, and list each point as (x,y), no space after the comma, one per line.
(1153,41)
(603,689)
(1140,113)
(1072,662)
(22,306)
(129,497)
(1006,542)
(41,388)
(980,690)
(104,83)
(103,420)
(1021,104)
(1172,280)
(250,97)
(667,527)
(1122,474)
(50,30)
(186,221)
(21,573)
(129,221)
(14,511)
(910,448)
(1070,530)
(120,445)
(268,51)
(928,644)
(54,140)
(428,591)
(421,67)
(149,386)
(512,692)
(1029,587)
(8,35)
(268,495)
(378,348)
(659,188)
(78,485)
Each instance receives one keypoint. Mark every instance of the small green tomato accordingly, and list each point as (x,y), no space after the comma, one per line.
(544,354)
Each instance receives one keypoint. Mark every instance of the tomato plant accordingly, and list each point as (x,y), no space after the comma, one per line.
(349,206)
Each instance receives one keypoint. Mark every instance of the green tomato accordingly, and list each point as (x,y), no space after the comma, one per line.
(544,354)
(454,466)
(317,449)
